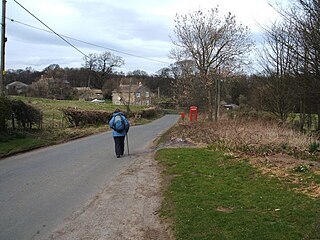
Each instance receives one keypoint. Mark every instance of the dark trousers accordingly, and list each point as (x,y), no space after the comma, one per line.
(119,145)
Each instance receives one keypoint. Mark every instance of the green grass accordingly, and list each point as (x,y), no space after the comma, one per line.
(212,196)
(21,144)
(22,140)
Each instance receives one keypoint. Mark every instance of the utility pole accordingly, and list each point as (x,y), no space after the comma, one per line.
(128,106)
(3,42)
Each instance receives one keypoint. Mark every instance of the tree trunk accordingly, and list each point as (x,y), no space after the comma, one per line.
(13,122)
(210,104)
(318,110)
(217,101)
(309,121)
(302,114)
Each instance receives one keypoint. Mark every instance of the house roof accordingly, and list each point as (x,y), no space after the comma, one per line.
(87,89)
(83,88)
(127,89)
(17,83)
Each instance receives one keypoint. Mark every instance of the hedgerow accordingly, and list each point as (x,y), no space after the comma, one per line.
(18,114)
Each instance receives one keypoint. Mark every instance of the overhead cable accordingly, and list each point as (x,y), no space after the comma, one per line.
(91,44)
(51,30)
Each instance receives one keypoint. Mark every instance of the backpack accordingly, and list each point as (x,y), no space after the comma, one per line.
(118,124)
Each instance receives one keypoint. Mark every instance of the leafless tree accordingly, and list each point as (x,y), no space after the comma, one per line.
(215,43)
(301,50)
(186,80)
(54,71)
(99,65)
(277,61)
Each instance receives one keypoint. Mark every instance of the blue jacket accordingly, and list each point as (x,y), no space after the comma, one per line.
(126,123)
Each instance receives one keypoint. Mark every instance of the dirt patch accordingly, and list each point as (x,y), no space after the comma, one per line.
(179,143)
(284,162)
(126,209)
(282,166)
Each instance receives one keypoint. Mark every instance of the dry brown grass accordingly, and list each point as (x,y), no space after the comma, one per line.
(243,133)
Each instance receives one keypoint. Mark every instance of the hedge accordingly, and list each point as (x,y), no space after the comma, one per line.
(77,117)
(19,113)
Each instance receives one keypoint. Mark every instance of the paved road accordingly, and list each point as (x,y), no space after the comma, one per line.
(42,188)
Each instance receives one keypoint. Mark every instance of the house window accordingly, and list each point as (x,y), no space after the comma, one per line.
(138,95)
(147,94)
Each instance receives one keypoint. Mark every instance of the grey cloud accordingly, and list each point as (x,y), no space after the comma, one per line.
(125,23)
(122,29)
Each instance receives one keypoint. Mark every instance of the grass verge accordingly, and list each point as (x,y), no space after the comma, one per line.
(21,144)
(12,142)
(215,196)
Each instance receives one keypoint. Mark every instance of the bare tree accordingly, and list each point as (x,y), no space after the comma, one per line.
(100,65)
(213,42)
(186,84)
(304,52)
(277,62)
(54,71)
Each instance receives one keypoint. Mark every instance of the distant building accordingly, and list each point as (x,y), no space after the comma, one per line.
(51,88)
(231,106)
(139,95)
(17,88)
(87,93)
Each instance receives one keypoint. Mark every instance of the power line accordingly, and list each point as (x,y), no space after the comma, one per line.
(51,29)
(88,43)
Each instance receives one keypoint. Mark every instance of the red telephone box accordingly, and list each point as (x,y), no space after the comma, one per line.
(193,110)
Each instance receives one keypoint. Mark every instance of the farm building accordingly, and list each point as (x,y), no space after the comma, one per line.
(136,94)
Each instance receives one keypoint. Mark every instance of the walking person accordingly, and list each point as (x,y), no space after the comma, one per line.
(120,125)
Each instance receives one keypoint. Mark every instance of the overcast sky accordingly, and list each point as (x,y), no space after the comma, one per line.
(137,27)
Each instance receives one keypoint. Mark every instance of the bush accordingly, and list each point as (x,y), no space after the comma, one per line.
(17,111)
(78,117)
(24,114)
(314,147)
(5,111)
(147,113)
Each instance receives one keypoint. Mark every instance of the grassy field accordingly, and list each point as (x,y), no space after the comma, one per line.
(55,128)
(212,195)
(53,116)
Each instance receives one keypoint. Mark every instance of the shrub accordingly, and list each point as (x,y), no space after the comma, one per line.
(314,147)
(78,117)
(24,114)
(5,111)
(18,112)
(147,113)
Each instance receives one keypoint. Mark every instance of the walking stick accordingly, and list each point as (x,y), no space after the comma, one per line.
(127,144)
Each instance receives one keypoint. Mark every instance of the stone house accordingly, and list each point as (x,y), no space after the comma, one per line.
(137,94)
(16,88)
